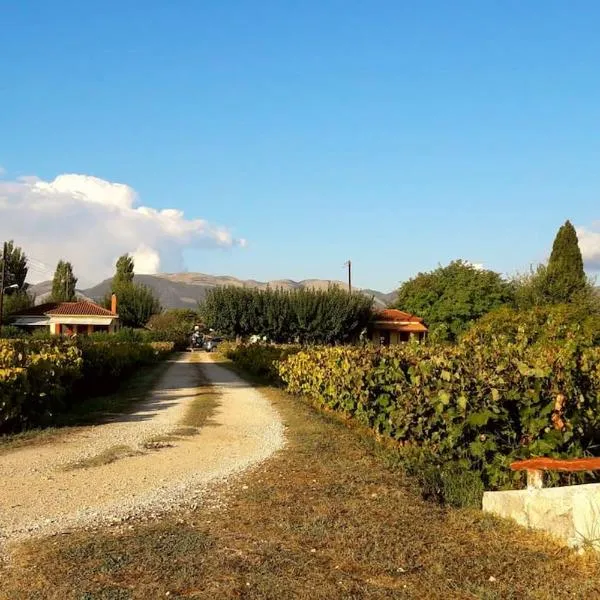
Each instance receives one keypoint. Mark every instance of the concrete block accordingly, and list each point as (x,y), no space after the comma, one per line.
(570,514)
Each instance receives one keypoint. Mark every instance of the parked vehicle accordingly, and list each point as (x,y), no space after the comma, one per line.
(212,344)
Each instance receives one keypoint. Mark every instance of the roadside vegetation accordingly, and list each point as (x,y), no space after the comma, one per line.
(332,516)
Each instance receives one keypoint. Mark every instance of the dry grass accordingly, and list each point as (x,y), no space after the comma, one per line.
(325,518)
(109,455)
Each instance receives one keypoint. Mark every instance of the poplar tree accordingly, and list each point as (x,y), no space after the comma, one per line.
(63,283)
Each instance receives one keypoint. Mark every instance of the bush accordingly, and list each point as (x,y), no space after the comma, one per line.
(480,406)
(40,378)
(36,378)
(260,360)
(173,326)
(552,323)
(304,315)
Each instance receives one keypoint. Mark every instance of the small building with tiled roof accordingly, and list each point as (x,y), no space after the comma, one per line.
(69,318)
(391,326)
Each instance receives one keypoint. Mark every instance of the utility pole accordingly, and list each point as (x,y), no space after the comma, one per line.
(2,280)
(349,263)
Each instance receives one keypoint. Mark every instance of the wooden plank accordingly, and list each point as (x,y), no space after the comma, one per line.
(557,464)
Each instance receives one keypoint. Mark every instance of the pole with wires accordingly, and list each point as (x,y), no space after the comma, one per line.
(349,265)
(2,280)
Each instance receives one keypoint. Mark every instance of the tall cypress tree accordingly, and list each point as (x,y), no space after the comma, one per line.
(63,283)
(565,275)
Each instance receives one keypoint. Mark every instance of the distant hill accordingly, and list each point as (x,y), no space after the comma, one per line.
(185,290)
(42,291)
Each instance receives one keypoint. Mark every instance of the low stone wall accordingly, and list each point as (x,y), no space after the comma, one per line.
(571,513)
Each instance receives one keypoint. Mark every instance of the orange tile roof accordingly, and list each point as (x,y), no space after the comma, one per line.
(407,327)
(393,314)
(81,308)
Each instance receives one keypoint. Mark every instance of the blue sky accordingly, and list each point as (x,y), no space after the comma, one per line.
(397,134)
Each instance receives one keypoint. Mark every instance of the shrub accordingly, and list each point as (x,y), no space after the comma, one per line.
(304,315)
(36,378)
(40,378)
(173,326)
(478,405)
(260,360)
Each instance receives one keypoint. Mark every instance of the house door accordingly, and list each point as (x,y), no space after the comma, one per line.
(384,338)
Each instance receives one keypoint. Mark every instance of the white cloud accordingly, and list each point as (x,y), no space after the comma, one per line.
(589,244)
(476,266)
(2,170)
(91,222)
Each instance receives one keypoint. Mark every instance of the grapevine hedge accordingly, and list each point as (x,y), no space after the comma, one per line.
(40,378)
(479,406)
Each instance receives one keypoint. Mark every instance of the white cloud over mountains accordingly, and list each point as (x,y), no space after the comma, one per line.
(91,222)
(589,244)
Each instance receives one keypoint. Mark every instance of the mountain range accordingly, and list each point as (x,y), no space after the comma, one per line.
(185,290)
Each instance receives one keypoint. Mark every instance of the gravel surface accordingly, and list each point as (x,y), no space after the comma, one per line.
(38,496)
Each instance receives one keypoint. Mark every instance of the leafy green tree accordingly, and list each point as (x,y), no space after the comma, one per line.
(16,296)
(63,283)
(16,266)
(136,303)
(450,298)
(565,275)
(124,271)
(561,281)
(174,325)
(309,316)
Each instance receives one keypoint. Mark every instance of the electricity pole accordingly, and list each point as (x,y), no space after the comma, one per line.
(2,279)
(349,264)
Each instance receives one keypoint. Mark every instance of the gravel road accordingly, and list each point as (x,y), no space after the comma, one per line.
(38,496)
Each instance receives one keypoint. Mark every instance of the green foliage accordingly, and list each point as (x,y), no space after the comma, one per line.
(16,266)
(63,283)
(566,277)
(306,316)
(549,323)
(479,404)
(16,301)
(35,380)
(40,378)
(124,272)
(175,325)
(260,360)
(443,482)
(451,297)
(18,298)
(561,281)
(136,303)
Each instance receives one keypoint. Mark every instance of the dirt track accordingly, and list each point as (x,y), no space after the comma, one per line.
(39,496)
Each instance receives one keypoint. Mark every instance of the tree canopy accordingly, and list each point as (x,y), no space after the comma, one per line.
(450,298)
(16,266)
(561,281)
(124,271)
(15,298)
(63,283)
(309,316)
(136,303)
(565,274)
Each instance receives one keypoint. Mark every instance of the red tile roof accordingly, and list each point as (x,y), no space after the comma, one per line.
(81,308)
(393,314)
(408,327)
